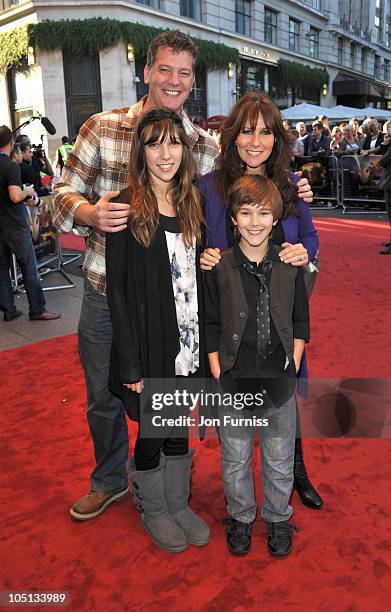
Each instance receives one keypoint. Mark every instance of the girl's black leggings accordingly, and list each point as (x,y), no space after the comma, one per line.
(147,450)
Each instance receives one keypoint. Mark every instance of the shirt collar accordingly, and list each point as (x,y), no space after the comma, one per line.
(239,258)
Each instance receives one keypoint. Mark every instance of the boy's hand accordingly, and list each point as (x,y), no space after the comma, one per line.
(136,387)
(214,364)
(209,258)
(295,254)
(304,189)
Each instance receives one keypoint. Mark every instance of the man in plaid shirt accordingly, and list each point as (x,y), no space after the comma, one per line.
(95,172)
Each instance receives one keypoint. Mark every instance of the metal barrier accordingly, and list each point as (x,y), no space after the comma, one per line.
(360,177)
(56,260)
(323,175)
(350,181)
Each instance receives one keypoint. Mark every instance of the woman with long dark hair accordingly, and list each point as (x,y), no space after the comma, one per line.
(153,280)
(254,141)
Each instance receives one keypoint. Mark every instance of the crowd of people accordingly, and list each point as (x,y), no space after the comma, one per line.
(319,141)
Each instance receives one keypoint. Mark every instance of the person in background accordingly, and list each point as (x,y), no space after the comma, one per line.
(336,137)
(326,126)
(372,143)
(304,136)
(319,145)
(297,147)
(15,237)
(349,145)
(385,183)
(62,155)
(16,155)
(29,170)
(286,125)
(356,126)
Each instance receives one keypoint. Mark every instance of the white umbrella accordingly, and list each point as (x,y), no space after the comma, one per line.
(344,112)
(303,111)
(376,113)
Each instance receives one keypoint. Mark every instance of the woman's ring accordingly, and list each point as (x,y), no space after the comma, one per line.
(302,258)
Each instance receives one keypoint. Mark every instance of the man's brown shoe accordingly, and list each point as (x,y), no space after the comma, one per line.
(92,505)
(45,316)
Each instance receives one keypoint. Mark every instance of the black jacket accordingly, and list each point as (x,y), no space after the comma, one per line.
(142,310)
(226,308)
(367,142)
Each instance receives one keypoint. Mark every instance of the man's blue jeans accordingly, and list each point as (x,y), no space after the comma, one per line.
(19,241)
(105,412)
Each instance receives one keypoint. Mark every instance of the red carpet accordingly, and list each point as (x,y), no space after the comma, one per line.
(342,555)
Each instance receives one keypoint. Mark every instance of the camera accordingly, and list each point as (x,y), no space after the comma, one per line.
(37,150)
(36,199)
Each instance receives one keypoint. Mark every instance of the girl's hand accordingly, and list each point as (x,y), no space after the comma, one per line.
(209,258)
(295,254)
(136,387)
(304,189)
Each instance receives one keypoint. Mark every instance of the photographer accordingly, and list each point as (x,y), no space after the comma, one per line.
(15,237)
(31,168)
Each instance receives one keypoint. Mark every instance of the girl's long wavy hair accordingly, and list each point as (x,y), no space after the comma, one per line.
(230,165)
(155,126)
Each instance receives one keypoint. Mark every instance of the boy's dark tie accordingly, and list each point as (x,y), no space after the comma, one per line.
(263,315)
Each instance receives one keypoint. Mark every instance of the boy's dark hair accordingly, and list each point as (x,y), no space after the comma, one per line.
(177,41)
(23,146)
(255,190)
(15,150)
(5,136)
(65,140)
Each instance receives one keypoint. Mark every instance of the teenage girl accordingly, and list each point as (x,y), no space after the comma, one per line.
(153,284)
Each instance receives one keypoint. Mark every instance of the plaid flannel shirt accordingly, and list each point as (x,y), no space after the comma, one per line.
(98,163)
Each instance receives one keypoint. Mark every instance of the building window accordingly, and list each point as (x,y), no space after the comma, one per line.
(377,67)
(387,70)
(352,53)
(363,59)
(314,42)
(315,4)
(243,17)
(270,33)
(191,9)
(379,20)
(294,30)
(340,51)
(152,3)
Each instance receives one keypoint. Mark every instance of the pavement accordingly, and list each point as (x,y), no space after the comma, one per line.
(22,331)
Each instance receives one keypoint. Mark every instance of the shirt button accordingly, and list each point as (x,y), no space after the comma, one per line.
(242,315)
(235,337)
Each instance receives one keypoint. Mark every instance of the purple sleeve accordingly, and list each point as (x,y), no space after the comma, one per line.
(307,233)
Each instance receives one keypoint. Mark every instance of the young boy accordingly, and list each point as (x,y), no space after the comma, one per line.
(257,323)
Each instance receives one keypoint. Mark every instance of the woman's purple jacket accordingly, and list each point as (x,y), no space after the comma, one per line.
(299,228)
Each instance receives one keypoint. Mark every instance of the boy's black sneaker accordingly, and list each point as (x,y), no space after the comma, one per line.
(280,538)
(238,536)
